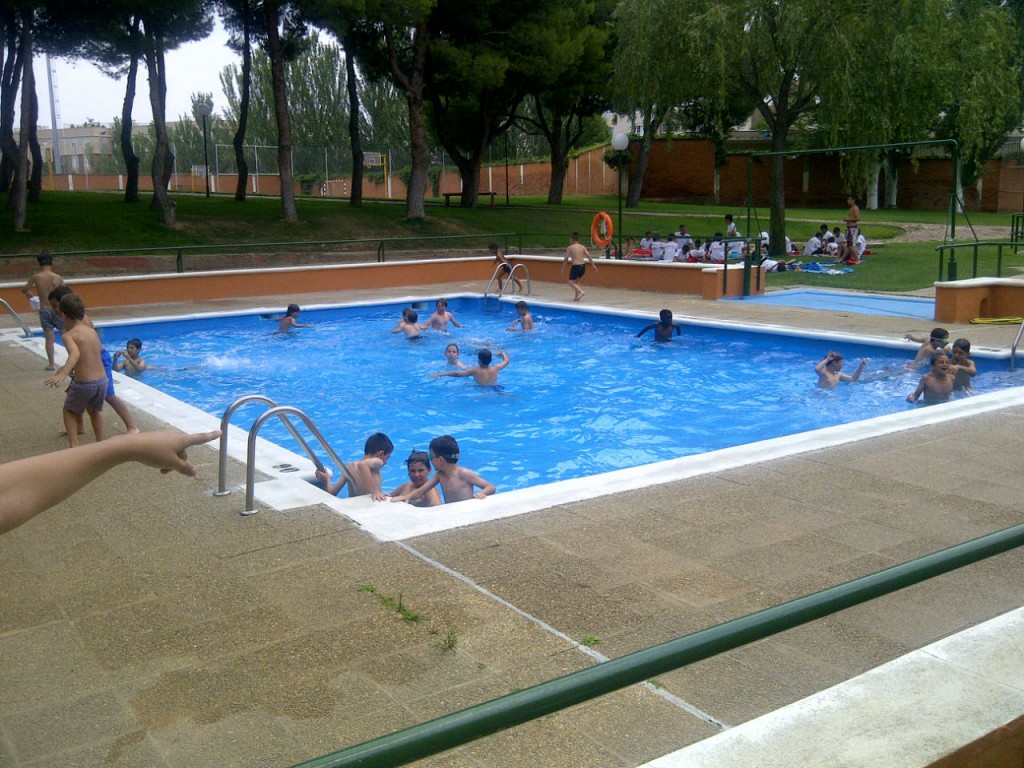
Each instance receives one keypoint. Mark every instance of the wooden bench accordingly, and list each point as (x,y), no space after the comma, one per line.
(449,195)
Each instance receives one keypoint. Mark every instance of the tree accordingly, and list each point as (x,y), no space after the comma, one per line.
(10,84)
(573,67)
(240,19)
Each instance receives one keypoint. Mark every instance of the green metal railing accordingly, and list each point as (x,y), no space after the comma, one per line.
(380,245)
(953,248)
(467,725)
(1017,227)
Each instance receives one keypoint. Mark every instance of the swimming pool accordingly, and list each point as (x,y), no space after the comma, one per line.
(581,398)
(860,303)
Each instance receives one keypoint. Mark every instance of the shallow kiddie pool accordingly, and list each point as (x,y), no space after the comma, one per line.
(581,398)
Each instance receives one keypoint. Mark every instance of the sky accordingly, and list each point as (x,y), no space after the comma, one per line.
(84,92)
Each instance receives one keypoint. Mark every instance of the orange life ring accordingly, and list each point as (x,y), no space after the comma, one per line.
(602,222)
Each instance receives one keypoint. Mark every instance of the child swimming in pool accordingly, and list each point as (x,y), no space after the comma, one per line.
(290,319)
(937,385)
(418,465)
(830,369)
(485,374)
(664,328)
(525,319)
(936,342)
(963,367)
(457,483)
(365,471)
(441,317)
(407,324)
(451,354)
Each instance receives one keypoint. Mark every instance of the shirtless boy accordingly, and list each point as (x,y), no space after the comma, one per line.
(578,255)
(484,374)
(41,283)
(365,472)
(937,385)
(291,319)
(963,367)
(852,221)
(129,361)
(89,387)
(418,464)
(408,324)
(441,317)
(936,342)
(525,319)
(457,483)
(830,372)
(503,267)
(664,328)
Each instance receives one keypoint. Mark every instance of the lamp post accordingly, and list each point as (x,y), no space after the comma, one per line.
(203,109)
(620,141)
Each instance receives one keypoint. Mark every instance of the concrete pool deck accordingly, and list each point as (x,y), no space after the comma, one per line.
(146,623)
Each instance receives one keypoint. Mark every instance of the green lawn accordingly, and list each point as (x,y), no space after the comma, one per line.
(82,221)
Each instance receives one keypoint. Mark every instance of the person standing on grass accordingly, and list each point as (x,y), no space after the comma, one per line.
(578,255)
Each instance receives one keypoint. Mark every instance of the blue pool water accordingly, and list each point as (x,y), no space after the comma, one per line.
(581,396)
(858,303)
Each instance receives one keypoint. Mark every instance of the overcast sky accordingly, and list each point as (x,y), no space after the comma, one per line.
(84,92)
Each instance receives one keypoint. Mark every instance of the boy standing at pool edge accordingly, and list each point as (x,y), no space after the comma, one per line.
(366,479)
(457,483)
(578,255)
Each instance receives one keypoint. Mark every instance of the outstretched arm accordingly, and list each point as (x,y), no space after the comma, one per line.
(463,372)
(856,374)
(646,328)
(30,486)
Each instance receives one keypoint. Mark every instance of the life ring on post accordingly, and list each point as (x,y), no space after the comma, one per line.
(601,229)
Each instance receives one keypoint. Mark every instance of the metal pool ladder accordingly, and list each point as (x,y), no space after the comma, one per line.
(17,318)
(282,412)
(1013,349)
(509,281)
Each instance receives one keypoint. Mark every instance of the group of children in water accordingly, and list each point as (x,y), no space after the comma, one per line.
(950,368)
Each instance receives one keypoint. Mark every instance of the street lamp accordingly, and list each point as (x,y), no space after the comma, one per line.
(620,141)
(203,109)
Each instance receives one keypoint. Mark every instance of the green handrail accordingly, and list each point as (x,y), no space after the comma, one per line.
(461,727)
(974,245)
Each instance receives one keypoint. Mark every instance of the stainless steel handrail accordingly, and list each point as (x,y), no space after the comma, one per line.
(1013,349)
(17,318)
(510,280)
(250,460)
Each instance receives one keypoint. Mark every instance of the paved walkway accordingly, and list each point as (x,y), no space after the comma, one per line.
(147,623)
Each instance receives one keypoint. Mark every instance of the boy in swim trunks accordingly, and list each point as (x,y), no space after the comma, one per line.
(43,282)
(578,255)
(457,483)
(503,267)
(408,325)
(88,389)
(418,464)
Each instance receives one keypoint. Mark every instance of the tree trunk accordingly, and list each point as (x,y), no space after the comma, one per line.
(654,116)
(131,160)
(238,142)
(35,179)
(871,198)
(19,190)
(777,189)
(559,170)
(275,51)
(163,159)
(10,81)
(412,83)
(355,141)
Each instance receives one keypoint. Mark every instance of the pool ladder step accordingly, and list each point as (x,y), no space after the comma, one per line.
(510,280)
(282,412)
(17,318)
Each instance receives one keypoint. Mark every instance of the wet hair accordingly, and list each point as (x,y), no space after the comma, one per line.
(442,303)
(446,447)
(939,334)
(405,313)
(137,343)
(665,315)
(72,306)
(575,237)
(963,345)
(835,357)
(522,305)
(59,293)
(418,457)
(936,357)
(484,357)
(44,259)
(378,442)
(293,309)
(411,317)
(453,344)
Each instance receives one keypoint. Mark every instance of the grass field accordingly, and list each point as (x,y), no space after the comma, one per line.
(65,222)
